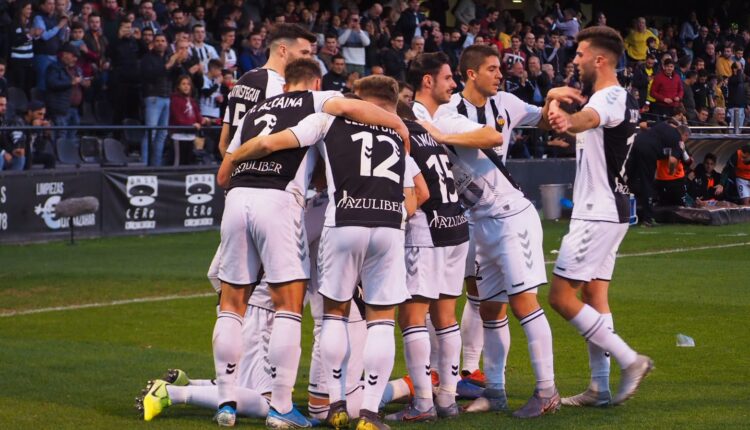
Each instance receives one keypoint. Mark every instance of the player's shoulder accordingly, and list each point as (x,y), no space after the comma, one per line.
(253,77)
(414,127)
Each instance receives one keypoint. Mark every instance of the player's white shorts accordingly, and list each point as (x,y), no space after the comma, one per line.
(256,334)
(509,255)
(431,272)
(743,188)
(373,255)
(589,250)
(264,229)
(471,255)
(213,271)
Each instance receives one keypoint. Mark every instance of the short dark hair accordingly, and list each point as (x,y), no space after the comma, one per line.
(602,37)
(290,31)
(668,62)
(425,64)
(227,30)
(691,74)
(404,111)
(402,85)
(709,156)
(473,57)
(381,87)
(176,11)
(302,70)
(215,63)
(337,57)
(76,26)
(196,26)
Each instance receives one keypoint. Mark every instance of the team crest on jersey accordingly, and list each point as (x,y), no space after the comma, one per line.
(500,121)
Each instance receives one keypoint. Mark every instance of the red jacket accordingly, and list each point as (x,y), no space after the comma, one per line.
(183,110)
(665,87)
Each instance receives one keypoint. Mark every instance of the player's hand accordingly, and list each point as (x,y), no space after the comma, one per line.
(719,190)
(566,95)
(559,120)
(20,152)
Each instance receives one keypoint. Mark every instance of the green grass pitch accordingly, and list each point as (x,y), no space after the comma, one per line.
(82,368)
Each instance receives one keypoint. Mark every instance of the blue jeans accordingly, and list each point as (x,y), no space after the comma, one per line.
(41,63)
(156,114)
(740,112)
(16,163)
(71,118)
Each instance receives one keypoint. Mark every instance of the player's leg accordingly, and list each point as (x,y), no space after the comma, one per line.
(379,355)
(449,345)
(471,322)
(411,320)
(583,254)
(594,294)
(250,403)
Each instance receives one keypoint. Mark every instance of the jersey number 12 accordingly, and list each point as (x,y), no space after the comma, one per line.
(382,170)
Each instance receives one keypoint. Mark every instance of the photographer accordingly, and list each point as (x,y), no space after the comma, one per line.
(353,41)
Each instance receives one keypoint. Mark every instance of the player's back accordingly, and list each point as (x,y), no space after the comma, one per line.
(252,88)
(365,172)
(289,169)
(440,220)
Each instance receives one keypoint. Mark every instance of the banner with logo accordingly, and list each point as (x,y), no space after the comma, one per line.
(139,201)
(27,205)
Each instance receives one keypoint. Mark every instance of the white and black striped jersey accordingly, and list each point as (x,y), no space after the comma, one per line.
(600,192)
(440,221)
(365,169)
(500,195)
(288,170)
(253,87)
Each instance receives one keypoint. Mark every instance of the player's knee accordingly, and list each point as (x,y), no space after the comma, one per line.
(492,311)
(524,304)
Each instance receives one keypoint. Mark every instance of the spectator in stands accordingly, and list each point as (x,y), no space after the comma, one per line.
(709,58)
(111,17)
(705,181)
(736,102)
(393,59)
(538,80)
(688,97)
(157,70)
(472,34)
(567,22)
(724,62)
(329,49)
(554,53)
(12,150)
(36,141)
(210,94)
(124,83)
(254,55)
(666,90)
(517,83)
(405,93)
(702,91)
(412,22)
(635,42)
(96,44)
(643,77)
(147,17)
(179,23)
(529,40)
(184,110)
(227,54)
(353,41)
(513,54)
(701,119)
(200,49)
(417,47)
(21,66)
(65,85)
(719,118)
(465,11)
(335,79)
(737,173)
(739,55)
(47,25)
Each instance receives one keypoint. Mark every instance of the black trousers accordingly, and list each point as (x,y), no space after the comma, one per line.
(641,170)
(672,193)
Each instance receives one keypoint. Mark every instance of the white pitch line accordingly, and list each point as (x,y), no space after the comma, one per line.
(106,304)
(195,296)
(675,250)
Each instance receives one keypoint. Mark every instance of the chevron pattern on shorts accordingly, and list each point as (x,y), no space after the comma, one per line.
(412,255)
(526,245)
(583,247)
(301,242)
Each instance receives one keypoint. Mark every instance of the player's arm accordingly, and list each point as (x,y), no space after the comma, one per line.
(366,113)
(225,171)
(483,137)
(562,122)
(420,190)
(562,95)
(410,201)
(260,146)
(224,138)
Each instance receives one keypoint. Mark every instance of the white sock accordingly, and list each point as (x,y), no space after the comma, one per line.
(449,343)
(284,350)
(473,341)
(354,401)
(227,348)
(539,337)
(434,347)
(417,356)
(599,361)
(496,347)
(249,402)
(397,389)
(591,324)
(202,382)
(334,354)
(380,351)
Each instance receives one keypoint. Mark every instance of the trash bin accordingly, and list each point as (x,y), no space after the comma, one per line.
(552,194)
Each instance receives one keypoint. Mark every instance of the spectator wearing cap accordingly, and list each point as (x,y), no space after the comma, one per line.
(635,43)
(412,22)
(48,26)
(64,93)
(353,41)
